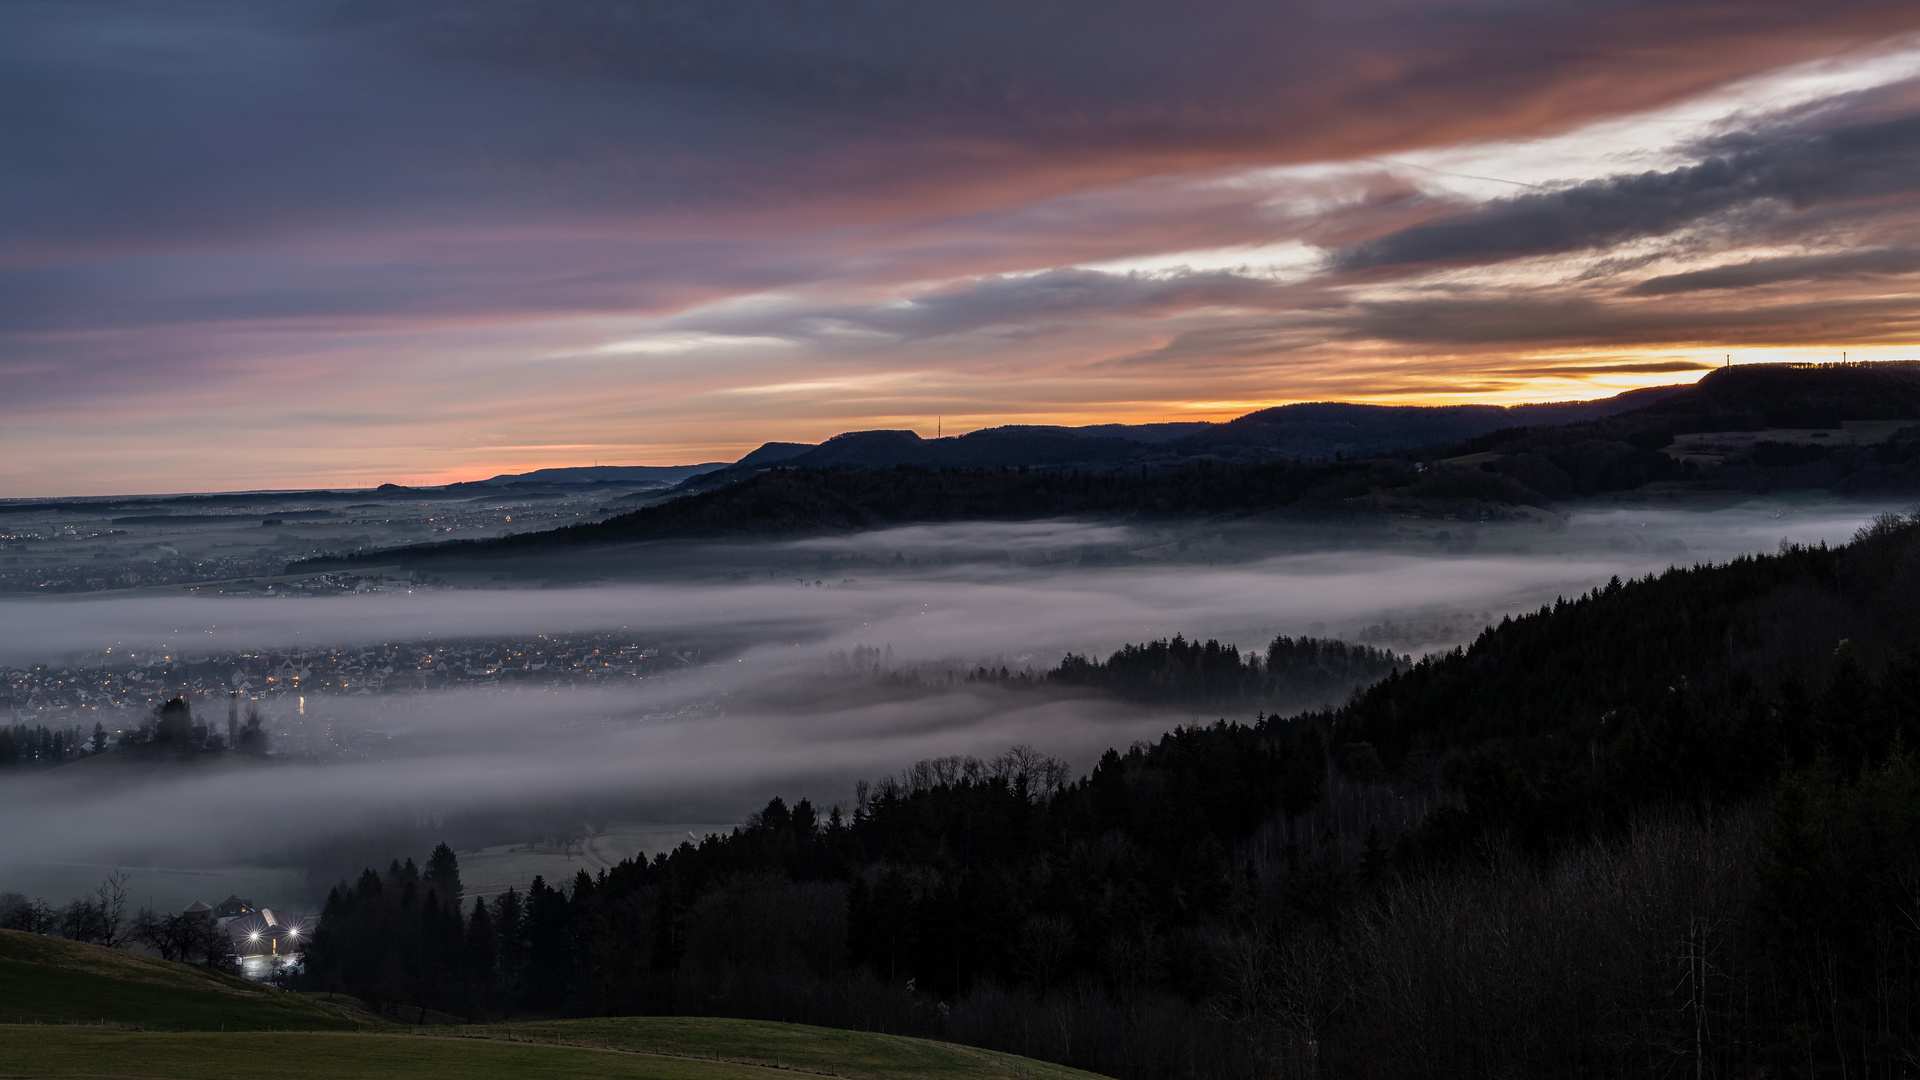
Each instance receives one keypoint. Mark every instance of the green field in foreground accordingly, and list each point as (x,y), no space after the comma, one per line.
(837,1051)
(65,1009)
(94,1052)
(52,980)
(664,1048)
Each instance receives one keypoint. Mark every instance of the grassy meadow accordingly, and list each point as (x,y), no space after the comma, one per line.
(47,980)
(68,1009)
(660,1048)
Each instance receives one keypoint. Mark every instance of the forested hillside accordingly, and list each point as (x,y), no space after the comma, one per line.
(1626,450)
(1671,825)
(794,501)
(1484,477)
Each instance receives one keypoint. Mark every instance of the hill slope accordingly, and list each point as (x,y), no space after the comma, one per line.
(656,1048)
(1308,430)
(788,501)
(47,979)
(1517,831)
(866,480)
(662,475)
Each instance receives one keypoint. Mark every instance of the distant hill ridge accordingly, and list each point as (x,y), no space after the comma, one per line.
(589,474)
(1747,397)
(856,481)
(1309,430)
(1741,398)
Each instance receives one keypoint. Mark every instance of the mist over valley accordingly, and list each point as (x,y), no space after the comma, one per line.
(502,713)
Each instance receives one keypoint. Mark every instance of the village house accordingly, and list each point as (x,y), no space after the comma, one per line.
(263,938)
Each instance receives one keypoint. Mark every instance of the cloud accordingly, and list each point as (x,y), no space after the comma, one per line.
(1755,272)
(1796,170)
(248,124)
(1487,323)
(212,210)
(1006,305)
(1654,367)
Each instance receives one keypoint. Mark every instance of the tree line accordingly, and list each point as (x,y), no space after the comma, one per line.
(169,730)
(1293,673)
(1670,825)
(172,729)
(38,746)
(103,917)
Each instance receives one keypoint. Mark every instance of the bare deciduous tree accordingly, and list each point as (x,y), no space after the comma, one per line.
(34,916)
(110,898)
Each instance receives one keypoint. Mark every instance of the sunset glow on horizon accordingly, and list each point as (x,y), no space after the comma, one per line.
(321,245)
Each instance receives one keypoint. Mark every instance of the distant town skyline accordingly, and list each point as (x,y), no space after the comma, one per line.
(321,244)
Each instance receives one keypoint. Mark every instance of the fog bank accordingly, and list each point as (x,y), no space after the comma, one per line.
(782,721)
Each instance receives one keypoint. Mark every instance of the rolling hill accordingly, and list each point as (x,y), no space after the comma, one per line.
(653,1048)
(1309,430)
(70,1009)
(868,480)
(52,980)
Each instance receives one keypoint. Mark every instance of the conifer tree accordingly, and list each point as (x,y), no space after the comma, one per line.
(443,875)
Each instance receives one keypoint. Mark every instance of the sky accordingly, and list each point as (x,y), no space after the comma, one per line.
(329,242)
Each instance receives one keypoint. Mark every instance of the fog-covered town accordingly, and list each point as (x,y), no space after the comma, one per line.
(83,546)
(295,691)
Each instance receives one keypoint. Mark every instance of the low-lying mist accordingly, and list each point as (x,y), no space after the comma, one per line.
(790,715)
(961,610)
(566,756)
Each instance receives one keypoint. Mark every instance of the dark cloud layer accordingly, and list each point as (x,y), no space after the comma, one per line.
(1796,170)
(1532,321)
(211,120)
(1838,266)
(1020,305)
